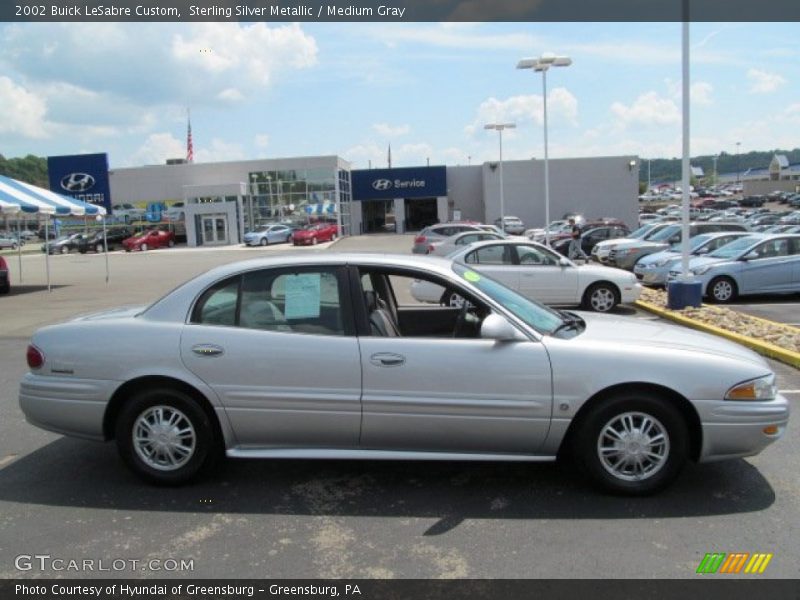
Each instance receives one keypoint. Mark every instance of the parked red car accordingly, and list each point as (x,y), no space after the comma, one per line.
(147,240)
(318,232)
(5,280)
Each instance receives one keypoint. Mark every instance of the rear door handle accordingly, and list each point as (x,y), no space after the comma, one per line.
(387,359)
(208,350)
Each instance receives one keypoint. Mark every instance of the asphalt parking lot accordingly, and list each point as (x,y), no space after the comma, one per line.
(73,499)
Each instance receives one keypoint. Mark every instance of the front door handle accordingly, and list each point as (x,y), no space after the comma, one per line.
(387,359)
(207,350)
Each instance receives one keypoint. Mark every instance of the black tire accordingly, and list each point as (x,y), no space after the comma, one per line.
(143,248)
(64,250)
(722,290)
(5,289)
(264,241)
(665,419)
(98,248)
(204,448)
(601,297)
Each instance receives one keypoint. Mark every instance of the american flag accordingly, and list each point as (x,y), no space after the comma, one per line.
(189,147)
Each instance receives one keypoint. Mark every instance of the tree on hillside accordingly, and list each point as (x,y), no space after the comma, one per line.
(30,169)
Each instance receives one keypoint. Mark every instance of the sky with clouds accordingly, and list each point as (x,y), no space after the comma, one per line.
(269,90)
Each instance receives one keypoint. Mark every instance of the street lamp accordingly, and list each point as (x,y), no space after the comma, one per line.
(715,159)
(541,65)
(500,127)
(738,168)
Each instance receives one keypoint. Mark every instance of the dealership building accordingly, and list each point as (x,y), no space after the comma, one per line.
(224,200)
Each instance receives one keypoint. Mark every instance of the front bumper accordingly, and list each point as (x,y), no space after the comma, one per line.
(630,293)
(66,405)
(733,429)
(651,275)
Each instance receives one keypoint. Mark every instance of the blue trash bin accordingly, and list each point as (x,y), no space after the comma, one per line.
(681,294)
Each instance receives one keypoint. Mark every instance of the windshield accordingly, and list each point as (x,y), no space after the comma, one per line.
(640,233)
(665,233)
(734,248)
(541,318)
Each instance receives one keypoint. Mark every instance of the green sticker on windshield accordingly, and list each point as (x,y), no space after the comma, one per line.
(472,276)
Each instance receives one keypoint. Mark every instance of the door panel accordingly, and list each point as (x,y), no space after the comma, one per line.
(465,395)
(281,389)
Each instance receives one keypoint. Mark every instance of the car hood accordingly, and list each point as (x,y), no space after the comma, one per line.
(657,256)
(642,245)
(614,242)
(607,329)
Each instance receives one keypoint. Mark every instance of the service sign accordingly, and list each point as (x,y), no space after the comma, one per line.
(81,176)
(405,182)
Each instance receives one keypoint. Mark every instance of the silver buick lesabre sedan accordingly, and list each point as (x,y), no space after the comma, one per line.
(328,356)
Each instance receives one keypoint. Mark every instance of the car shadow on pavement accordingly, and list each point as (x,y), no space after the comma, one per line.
(19,290)
(75,473)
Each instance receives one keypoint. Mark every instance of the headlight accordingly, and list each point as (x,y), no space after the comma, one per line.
(623,251)
(762,388)
(700,270)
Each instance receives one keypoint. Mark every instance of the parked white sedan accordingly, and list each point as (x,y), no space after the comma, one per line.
(311,356)
(541,274)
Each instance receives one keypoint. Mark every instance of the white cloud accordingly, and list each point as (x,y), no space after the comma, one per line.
(762,82)
(562,106)
(231,95)
(252,52)
(648,109)
(410,154)
(387,130)
(465,36)
(218,151)
(23,112)
(261,140)
(700,93)
(158,148)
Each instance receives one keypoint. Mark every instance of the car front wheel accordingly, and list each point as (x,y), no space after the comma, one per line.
(632,444)
(64,250)
(263,241)
(601,297)
(313,241)
(170,243)
(98,248)
(164,436)
(143,247)
(722,290)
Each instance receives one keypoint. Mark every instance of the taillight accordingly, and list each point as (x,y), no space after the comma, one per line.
(35,357)
(420,239)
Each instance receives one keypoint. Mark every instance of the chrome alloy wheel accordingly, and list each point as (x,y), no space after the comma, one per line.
(164,438)
(602,299)
(633,446)
(722,290)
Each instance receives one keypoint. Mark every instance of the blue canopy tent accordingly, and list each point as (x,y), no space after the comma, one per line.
(18,196)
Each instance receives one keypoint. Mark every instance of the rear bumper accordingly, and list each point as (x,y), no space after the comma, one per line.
(66,405)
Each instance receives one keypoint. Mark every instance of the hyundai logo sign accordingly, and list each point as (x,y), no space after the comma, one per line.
(381,184)
(77,182)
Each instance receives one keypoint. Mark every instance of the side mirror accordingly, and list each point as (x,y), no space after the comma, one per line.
(564,262)
(750,256)
(703,250)
(497,327)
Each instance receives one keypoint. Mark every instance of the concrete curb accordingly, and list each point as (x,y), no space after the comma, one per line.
(765,348)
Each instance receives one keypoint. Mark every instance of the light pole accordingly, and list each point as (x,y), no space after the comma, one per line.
(738,168)
(715,159)
(541,65)
(500,127)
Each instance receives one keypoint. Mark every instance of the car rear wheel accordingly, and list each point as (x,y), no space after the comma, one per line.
(601,297)
(633,444)
(164,436)
(143,247)
(263,241)
(722,290)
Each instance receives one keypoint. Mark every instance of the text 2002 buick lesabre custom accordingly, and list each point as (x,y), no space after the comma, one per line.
(299,357)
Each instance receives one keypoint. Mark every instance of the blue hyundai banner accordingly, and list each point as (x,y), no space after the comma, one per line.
(406,182)
(82,176)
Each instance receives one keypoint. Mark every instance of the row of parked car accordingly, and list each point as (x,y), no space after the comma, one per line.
(114,238)
(306,235)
